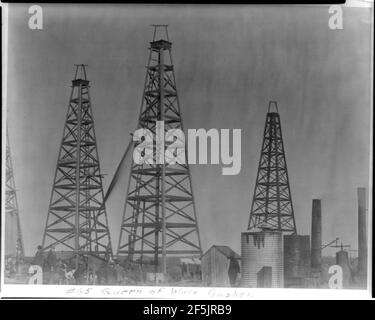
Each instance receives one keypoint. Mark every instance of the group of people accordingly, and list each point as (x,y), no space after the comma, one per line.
(55,271)
(111,272)
(11,266)
(70,271)
(191,272)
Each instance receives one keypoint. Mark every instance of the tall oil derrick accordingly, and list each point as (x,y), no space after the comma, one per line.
(77,218)
(272,206)
(159,218)
(13,235)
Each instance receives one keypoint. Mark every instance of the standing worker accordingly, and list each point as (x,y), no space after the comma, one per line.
(119,273)
(39,257)
(51,260)
(234,269)
(51,265)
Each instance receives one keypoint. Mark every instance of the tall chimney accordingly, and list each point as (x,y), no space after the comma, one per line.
(362,236)
(316,236)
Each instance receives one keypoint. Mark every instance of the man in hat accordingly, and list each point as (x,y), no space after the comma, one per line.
(39,257)
(234,269)
(51,260)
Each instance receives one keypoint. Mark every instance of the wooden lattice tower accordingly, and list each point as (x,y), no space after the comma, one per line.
(159,215)
(272,206)
(13,235)
(77,218)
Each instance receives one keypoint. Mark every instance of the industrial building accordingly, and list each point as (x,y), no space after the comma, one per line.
(215,265)
(262,259)
(296,261)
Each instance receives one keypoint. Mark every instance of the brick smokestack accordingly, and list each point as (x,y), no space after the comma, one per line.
(316,236)
(362,235)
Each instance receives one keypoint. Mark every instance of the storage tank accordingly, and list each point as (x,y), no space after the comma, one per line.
(342,259)
(296,260)
(259,250)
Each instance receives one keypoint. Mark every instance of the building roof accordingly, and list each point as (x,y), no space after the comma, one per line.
(225,250)
(190,261)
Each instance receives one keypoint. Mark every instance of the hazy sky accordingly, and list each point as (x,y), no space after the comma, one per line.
(229,62)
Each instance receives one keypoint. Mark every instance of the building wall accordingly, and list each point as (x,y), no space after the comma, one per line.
(258,250)
(215,269)
(296,259)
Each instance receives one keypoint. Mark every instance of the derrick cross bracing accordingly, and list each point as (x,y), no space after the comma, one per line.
(13,235)
(272,206)
(159,217)
(77,218)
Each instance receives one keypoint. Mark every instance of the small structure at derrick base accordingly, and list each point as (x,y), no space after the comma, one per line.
(13,243)
(77,218)
(215,266)
(159,217)
(271,214)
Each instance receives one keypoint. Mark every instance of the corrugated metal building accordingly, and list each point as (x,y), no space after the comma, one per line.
(259,250)
(215,265)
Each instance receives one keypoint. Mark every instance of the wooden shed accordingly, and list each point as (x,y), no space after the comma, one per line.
(215,265)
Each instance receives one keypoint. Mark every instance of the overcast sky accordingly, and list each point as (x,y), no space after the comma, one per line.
(229,62)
